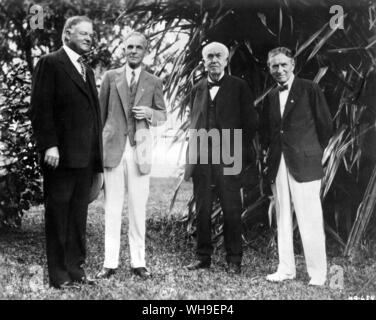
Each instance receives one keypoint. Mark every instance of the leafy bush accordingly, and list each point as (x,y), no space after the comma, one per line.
(20,176)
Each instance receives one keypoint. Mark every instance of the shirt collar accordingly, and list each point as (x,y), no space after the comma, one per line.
(289,82)
(73,55)
(220,77)
(129,70)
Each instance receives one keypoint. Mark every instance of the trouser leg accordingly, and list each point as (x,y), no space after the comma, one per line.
(58,190)
(281,191)
(114,190)
(203,194)
(308,210)
(77,218)
(229,195)
(138,193)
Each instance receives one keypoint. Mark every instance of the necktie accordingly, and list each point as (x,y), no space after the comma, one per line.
(283,87)
(132,85)
(213,83)
(80,60)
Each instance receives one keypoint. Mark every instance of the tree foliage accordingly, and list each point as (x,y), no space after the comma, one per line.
(20,47)
(20,180)
(339,56)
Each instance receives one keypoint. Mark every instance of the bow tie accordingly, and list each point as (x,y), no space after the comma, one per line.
(283,87)
(214,84)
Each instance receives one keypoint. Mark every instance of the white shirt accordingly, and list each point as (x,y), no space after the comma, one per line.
(283,95)
(73,56)
(137,72)
(213,91)
(128,73)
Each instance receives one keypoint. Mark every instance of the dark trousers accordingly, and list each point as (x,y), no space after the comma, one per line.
(208,183)
(66,195)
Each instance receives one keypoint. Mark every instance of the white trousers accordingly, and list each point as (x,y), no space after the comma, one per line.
(114,193)
(305,198)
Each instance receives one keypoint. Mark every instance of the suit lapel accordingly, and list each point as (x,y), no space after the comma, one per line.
(201,103)
(71,70)
(203,95)
(292,97)
(93,88)
(223,90)
(274,101)
(142,82)
(122,88)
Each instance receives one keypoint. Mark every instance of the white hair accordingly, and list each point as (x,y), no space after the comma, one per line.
(215,45)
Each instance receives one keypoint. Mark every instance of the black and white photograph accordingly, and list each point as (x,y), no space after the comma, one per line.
(187,156)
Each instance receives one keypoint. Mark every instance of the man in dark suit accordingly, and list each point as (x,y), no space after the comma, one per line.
(66,122)
(131,100)
(223,123)
(296,129)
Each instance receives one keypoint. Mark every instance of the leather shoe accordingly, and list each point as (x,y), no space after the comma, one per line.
(199,264)
(105,273)
(317,282)
(234,268)
(65,285)
(85,280)
(141,272)
(278,277)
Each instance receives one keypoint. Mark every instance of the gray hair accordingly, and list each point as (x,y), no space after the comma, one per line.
(137,34)
(212,45)
(286,51)
(72,21)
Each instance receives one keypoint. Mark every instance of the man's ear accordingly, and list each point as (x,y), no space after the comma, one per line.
(67,34)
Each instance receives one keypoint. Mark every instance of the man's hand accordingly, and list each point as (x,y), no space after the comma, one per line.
(51,157)
(142,112)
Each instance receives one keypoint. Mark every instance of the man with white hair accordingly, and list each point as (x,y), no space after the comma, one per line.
(220,104)
(131,100)
(296,129)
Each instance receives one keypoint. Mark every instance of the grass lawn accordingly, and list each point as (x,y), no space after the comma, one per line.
(23,263)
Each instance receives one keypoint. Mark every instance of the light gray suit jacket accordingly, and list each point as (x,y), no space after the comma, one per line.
(115,110)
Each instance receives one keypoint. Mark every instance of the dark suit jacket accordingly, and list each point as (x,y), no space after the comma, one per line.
(63,111)
(301,134)
(234,110)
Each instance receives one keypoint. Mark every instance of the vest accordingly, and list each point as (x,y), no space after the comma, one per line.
(131,121)
(211,122)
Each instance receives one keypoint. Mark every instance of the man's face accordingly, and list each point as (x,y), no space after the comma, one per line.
(215,61)
(281,67)
(80,37)
(135,51)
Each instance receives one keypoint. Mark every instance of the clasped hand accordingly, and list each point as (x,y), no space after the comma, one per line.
(142,112)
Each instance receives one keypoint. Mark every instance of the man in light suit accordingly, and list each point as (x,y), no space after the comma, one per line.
(131,100)
(296,129)
(66,122)
(220,104)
